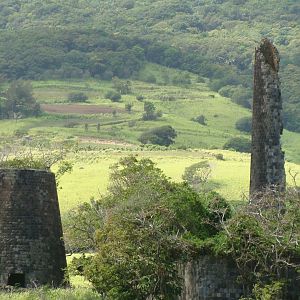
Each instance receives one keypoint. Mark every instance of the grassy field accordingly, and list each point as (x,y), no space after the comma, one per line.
(90,176)
(119,132)
(51,294)
(179,104)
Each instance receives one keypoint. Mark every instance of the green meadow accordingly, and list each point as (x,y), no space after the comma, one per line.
(90,176)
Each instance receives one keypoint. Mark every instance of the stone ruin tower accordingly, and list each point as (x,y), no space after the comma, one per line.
(267,158)
(31,248)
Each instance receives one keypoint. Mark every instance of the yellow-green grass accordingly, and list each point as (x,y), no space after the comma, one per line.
(90,176)
(51,294)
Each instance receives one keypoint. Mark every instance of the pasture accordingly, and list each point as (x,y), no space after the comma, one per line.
(90,176)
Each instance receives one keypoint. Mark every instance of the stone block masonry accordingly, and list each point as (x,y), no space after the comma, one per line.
(211,278)
(31,247)
(267,158)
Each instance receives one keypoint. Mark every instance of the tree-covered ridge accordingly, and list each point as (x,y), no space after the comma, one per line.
(213,38)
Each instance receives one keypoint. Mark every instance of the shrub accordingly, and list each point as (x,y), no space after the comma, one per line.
(128,107)
(200,119)
(244,124)
(238,144)
(150,111)
(140,97)
(219,156)
(113,96)
(121,86)
(163,136)
(77,97)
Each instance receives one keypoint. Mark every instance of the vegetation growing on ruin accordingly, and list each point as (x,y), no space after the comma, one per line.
(142,229)
(140,232)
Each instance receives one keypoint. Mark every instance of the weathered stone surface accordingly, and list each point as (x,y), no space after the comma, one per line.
(267,158)
(211,278)
(31,247)
(216,278)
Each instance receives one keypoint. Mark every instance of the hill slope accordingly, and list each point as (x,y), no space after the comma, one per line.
(213,38)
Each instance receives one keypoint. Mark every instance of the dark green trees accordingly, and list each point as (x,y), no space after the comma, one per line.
(163,136)
(18,101)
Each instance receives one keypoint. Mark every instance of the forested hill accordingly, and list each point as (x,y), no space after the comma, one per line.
(213,38)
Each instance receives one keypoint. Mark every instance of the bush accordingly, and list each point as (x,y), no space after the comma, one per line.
(163,136)
(219,156)
(140,97)
(77,97)
(121,86)
(113,96)
(150,112)
(244,124)
(239,144)
(200,119)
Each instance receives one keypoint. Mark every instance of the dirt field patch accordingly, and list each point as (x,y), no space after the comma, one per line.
(78,109)
(104,142)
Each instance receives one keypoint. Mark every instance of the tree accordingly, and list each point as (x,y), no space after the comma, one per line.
(19,100)
(149,111)
(121,86)
(239,144)
(143,232)
(200,119)
(163,136)
(197,175)
(244,124)
(128,107)
(113,96)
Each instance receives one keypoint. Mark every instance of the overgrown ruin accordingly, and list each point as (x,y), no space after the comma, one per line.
(32,252)
(267,158)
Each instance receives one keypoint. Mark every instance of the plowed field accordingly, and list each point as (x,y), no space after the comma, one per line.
(78,109)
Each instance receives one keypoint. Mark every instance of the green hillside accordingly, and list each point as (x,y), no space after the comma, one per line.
(212,38)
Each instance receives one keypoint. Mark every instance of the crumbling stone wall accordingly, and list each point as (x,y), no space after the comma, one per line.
(216,278)
(267,158)
(31,247)
(211,278)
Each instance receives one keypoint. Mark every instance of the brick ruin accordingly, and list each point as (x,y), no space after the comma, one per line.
(267,158)
(32,250)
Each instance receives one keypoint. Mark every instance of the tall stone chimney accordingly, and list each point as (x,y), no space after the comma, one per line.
(267,158)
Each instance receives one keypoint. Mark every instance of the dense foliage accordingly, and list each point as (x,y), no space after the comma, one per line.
(163,136)
(140,232)
(238,144)
(244,124)
(147,225)
(18,101)
(263,238)
(215,39)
